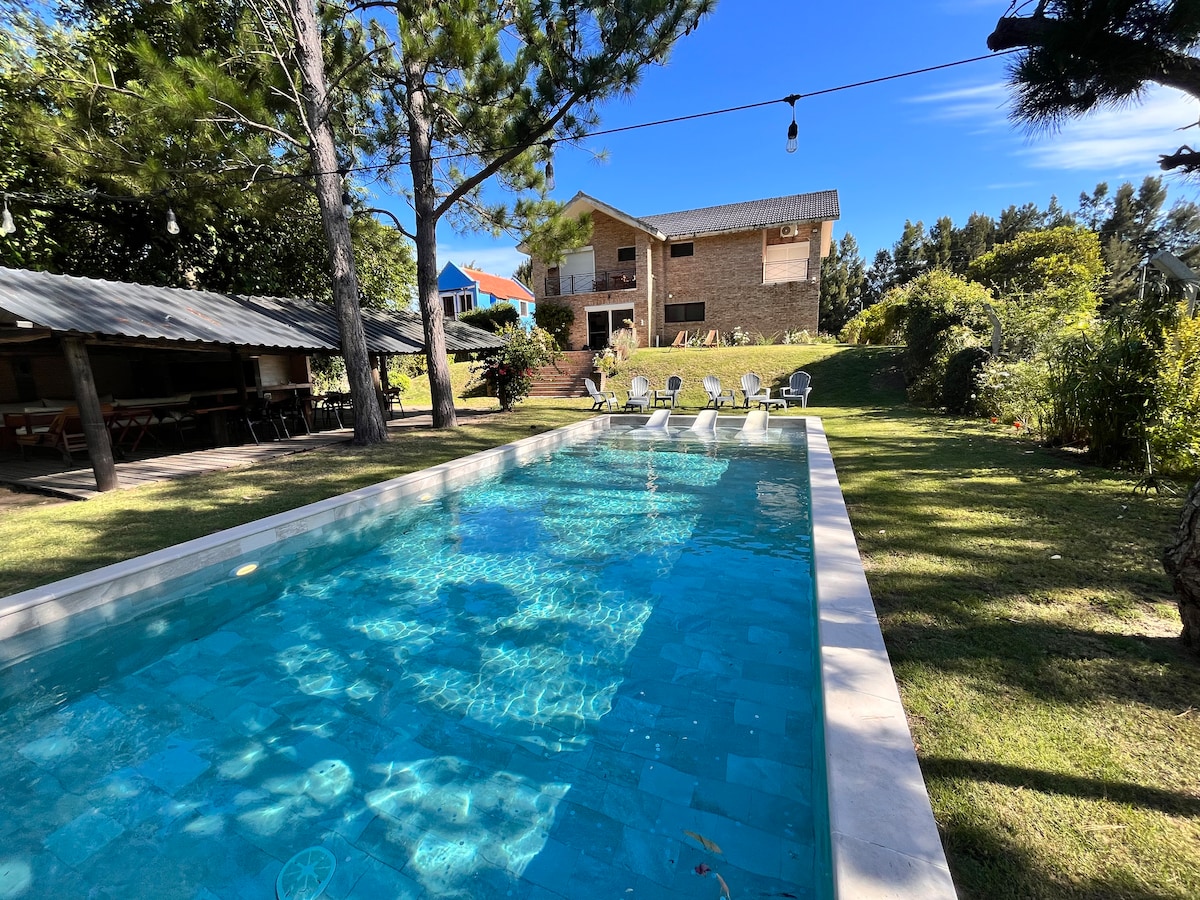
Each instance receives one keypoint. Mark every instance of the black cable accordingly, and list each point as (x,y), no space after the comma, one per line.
(791,98)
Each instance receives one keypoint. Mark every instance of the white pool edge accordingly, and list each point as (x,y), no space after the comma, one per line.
(887,850)
(884,840)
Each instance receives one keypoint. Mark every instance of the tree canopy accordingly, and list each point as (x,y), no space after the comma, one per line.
(1083,54)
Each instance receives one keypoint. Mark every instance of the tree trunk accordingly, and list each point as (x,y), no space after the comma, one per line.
(424,204)
(99,442)
(1181,559)
(369,427)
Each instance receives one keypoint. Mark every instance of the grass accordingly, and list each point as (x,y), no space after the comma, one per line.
(1052,708)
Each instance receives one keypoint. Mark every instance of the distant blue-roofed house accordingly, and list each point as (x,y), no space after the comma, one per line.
(462,289)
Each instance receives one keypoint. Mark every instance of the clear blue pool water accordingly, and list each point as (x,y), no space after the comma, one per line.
(562,682)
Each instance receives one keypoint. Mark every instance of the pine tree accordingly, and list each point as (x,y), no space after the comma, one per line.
(843,278)
(908,253)
(1084,54)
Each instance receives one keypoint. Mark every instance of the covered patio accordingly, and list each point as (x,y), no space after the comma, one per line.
(119,374)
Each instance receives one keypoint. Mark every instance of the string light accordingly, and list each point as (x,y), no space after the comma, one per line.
(7,226)
(550,166)
(793,129)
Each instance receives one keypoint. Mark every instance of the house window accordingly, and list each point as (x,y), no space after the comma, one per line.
(684,312)
(524,306)
(626,254)
(453,304)
(785,262)
(684,249)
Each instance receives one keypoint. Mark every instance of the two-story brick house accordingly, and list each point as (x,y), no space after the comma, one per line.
(753,265)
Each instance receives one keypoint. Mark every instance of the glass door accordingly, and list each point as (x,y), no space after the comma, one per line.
(603,322)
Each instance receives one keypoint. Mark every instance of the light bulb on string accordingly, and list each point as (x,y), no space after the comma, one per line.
(172,222)
(7,225)
(347,205)
(550,166)
(793,129)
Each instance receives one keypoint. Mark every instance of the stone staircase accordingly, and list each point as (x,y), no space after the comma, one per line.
(565,379)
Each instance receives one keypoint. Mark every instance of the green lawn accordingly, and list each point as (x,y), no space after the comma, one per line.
(1053,711)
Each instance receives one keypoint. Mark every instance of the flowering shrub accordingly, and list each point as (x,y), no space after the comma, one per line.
(739,338)
(509,368)
(607,361)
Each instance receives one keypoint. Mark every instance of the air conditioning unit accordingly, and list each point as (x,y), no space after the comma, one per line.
(788,231)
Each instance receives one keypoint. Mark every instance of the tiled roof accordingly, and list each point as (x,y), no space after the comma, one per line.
(814,207)
(500,288)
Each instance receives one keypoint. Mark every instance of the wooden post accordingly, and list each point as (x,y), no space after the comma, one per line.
(387,387)
(95,429)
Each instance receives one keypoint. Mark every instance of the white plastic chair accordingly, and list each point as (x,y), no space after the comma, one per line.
(798,389)
(756,424)
(706,422)
(600,398)
(639,393)
(753,390)
(712,387)
(658,420)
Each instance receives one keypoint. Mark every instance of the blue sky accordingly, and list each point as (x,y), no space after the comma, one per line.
(918,147)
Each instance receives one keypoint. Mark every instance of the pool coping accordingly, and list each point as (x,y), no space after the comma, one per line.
(880,851)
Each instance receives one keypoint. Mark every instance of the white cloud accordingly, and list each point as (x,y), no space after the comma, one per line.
(1110,138)
(983,101)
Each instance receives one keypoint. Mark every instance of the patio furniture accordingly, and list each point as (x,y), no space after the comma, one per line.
(681,340)
(639,393)
(755,425)
(706,422)
(716,397)
(671,394)
(798,389)
(713,339)
(657,421)
(600,398)
(63,433)
(752,390)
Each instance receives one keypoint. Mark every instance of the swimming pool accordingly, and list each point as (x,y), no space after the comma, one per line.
(591,675)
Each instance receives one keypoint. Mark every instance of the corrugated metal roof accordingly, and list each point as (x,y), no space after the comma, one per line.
(93,306)
(117,309)
(813,207)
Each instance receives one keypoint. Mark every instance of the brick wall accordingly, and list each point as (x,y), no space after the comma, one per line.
(724,273)
(608,235)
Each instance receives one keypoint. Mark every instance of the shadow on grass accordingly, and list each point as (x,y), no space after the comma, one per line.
(1170,803)
(987,865)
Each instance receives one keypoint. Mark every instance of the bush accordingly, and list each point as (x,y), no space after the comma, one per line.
(493,318)
(1016,391)
(1175,434)
(510,367)
(556,318)
(945,314)
(881,323)
(960,389)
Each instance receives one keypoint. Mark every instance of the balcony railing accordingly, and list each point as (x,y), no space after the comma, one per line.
(785,270)
(592,282)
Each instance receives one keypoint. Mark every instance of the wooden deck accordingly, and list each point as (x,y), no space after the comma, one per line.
(51,475)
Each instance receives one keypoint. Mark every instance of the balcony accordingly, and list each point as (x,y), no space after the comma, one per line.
(591,283)
(784,270)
